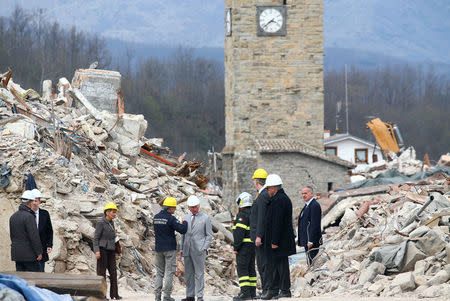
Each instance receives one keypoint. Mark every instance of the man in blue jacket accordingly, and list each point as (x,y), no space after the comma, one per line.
(309,229)
(165,225)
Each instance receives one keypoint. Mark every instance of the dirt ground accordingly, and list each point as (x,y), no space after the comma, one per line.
(330,298)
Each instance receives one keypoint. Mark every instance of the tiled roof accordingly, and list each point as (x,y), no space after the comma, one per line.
(294,146)
(340,137)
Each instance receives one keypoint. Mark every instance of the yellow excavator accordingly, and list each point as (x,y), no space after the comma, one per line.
(387,135)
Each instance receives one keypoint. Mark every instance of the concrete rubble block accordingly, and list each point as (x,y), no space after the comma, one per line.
(413,254)
(299,286)
(421,280)
(22,127)
(442,290)
(405,281)
(379,285)
(369,274)
(441,277)
(421,267)
(46,90)
(447,253)
(336,263)
(223,217)
(99,87)
(128,146)
(348,218)
(128,212)
(431,240)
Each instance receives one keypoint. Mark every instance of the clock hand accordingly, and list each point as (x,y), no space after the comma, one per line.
(267,24)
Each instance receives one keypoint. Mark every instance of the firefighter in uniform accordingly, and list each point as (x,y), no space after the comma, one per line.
(244,249)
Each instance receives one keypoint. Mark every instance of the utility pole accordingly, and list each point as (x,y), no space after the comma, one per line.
(346,98)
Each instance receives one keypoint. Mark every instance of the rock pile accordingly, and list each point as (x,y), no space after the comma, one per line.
(379,241)
(82,159)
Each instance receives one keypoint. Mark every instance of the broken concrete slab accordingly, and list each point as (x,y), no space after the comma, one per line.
(412,256)
(99,87)
(369,273)
(405,281)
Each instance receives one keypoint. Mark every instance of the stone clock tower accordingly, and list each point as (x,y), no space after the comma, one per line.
(274,112)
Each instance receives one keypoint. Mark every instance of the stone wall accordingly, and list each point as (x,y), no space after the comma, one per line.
(295,169)
(274,85)
(237,174)
(298,170)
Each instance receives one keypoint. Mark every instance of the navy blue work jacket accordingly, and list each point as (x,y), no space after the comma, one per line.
(165,225)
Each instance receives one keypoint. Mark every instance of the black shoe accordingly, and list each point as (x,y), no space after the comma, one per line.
(242,297)
(116,298)
(284,295)
(269,295)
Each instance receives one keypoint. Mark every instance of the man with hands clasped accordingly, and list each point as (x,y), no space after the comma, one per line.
(194,245)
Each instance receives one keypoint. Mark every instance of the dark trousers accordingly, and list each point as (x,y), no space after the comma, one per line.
(261,263)
(278,275)
(245,265)
(310,254)
(41,266)
(27,266)
(108,261)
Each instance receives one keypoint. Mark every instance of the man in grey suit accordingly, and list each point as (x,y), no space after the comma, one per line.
(194,246)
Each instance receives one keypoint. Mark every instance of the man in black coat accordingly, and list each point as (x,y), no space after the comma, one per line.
(279,240)
(309,228)
(45,228)
(257,215)
(26,249)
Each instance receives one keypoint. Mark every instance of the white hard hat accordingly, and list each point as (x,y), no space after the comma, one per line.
(244,200)
(37,193)
(193,201)
(273,180)
(27,196)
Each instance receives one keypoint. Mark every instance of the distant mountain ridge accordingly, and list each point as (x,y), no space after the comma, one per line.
(410,30)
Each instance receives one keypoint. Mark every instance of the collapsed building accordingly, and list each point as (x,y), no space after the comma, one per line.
(377,243)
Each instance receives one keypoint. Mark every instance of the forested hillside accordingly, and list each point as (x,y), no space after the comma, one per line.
(182,95)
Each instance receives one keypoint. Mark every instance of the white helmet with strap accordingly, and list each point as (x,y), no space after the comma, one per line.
(244,200)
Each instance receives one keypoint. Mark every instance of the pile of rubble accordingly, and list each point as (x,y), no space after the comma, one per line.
(82,159)
(384,240)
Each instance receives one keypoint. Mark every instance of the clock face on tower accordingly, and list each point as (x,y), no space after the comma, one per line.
(271,20)
(228,21)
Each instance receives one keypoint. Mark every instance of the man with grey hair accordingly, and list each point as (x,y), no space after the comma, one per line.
(309,228)
(279,240)
(26,248)
(194,247)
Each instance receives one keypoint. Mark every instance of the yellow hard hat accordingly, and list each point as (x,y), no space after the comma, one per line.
(110,206)
(170,202)
(259,174)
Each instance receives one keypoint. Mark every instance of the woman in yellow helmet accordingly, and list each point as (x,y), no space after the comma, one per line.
(105,248)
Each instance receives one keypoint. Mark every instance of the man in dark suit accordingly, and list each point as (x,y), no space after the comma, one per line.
(257,221)
(309,228)
(45,228)
(25,243)
(279,240)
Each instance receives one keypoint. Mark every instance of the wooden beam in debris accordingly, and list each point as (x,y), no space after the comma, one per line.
(19,98)
(75,285)
(120,103)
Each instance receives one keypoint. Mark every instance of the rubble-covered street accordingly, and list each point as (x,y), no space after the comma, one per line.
(83,158)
